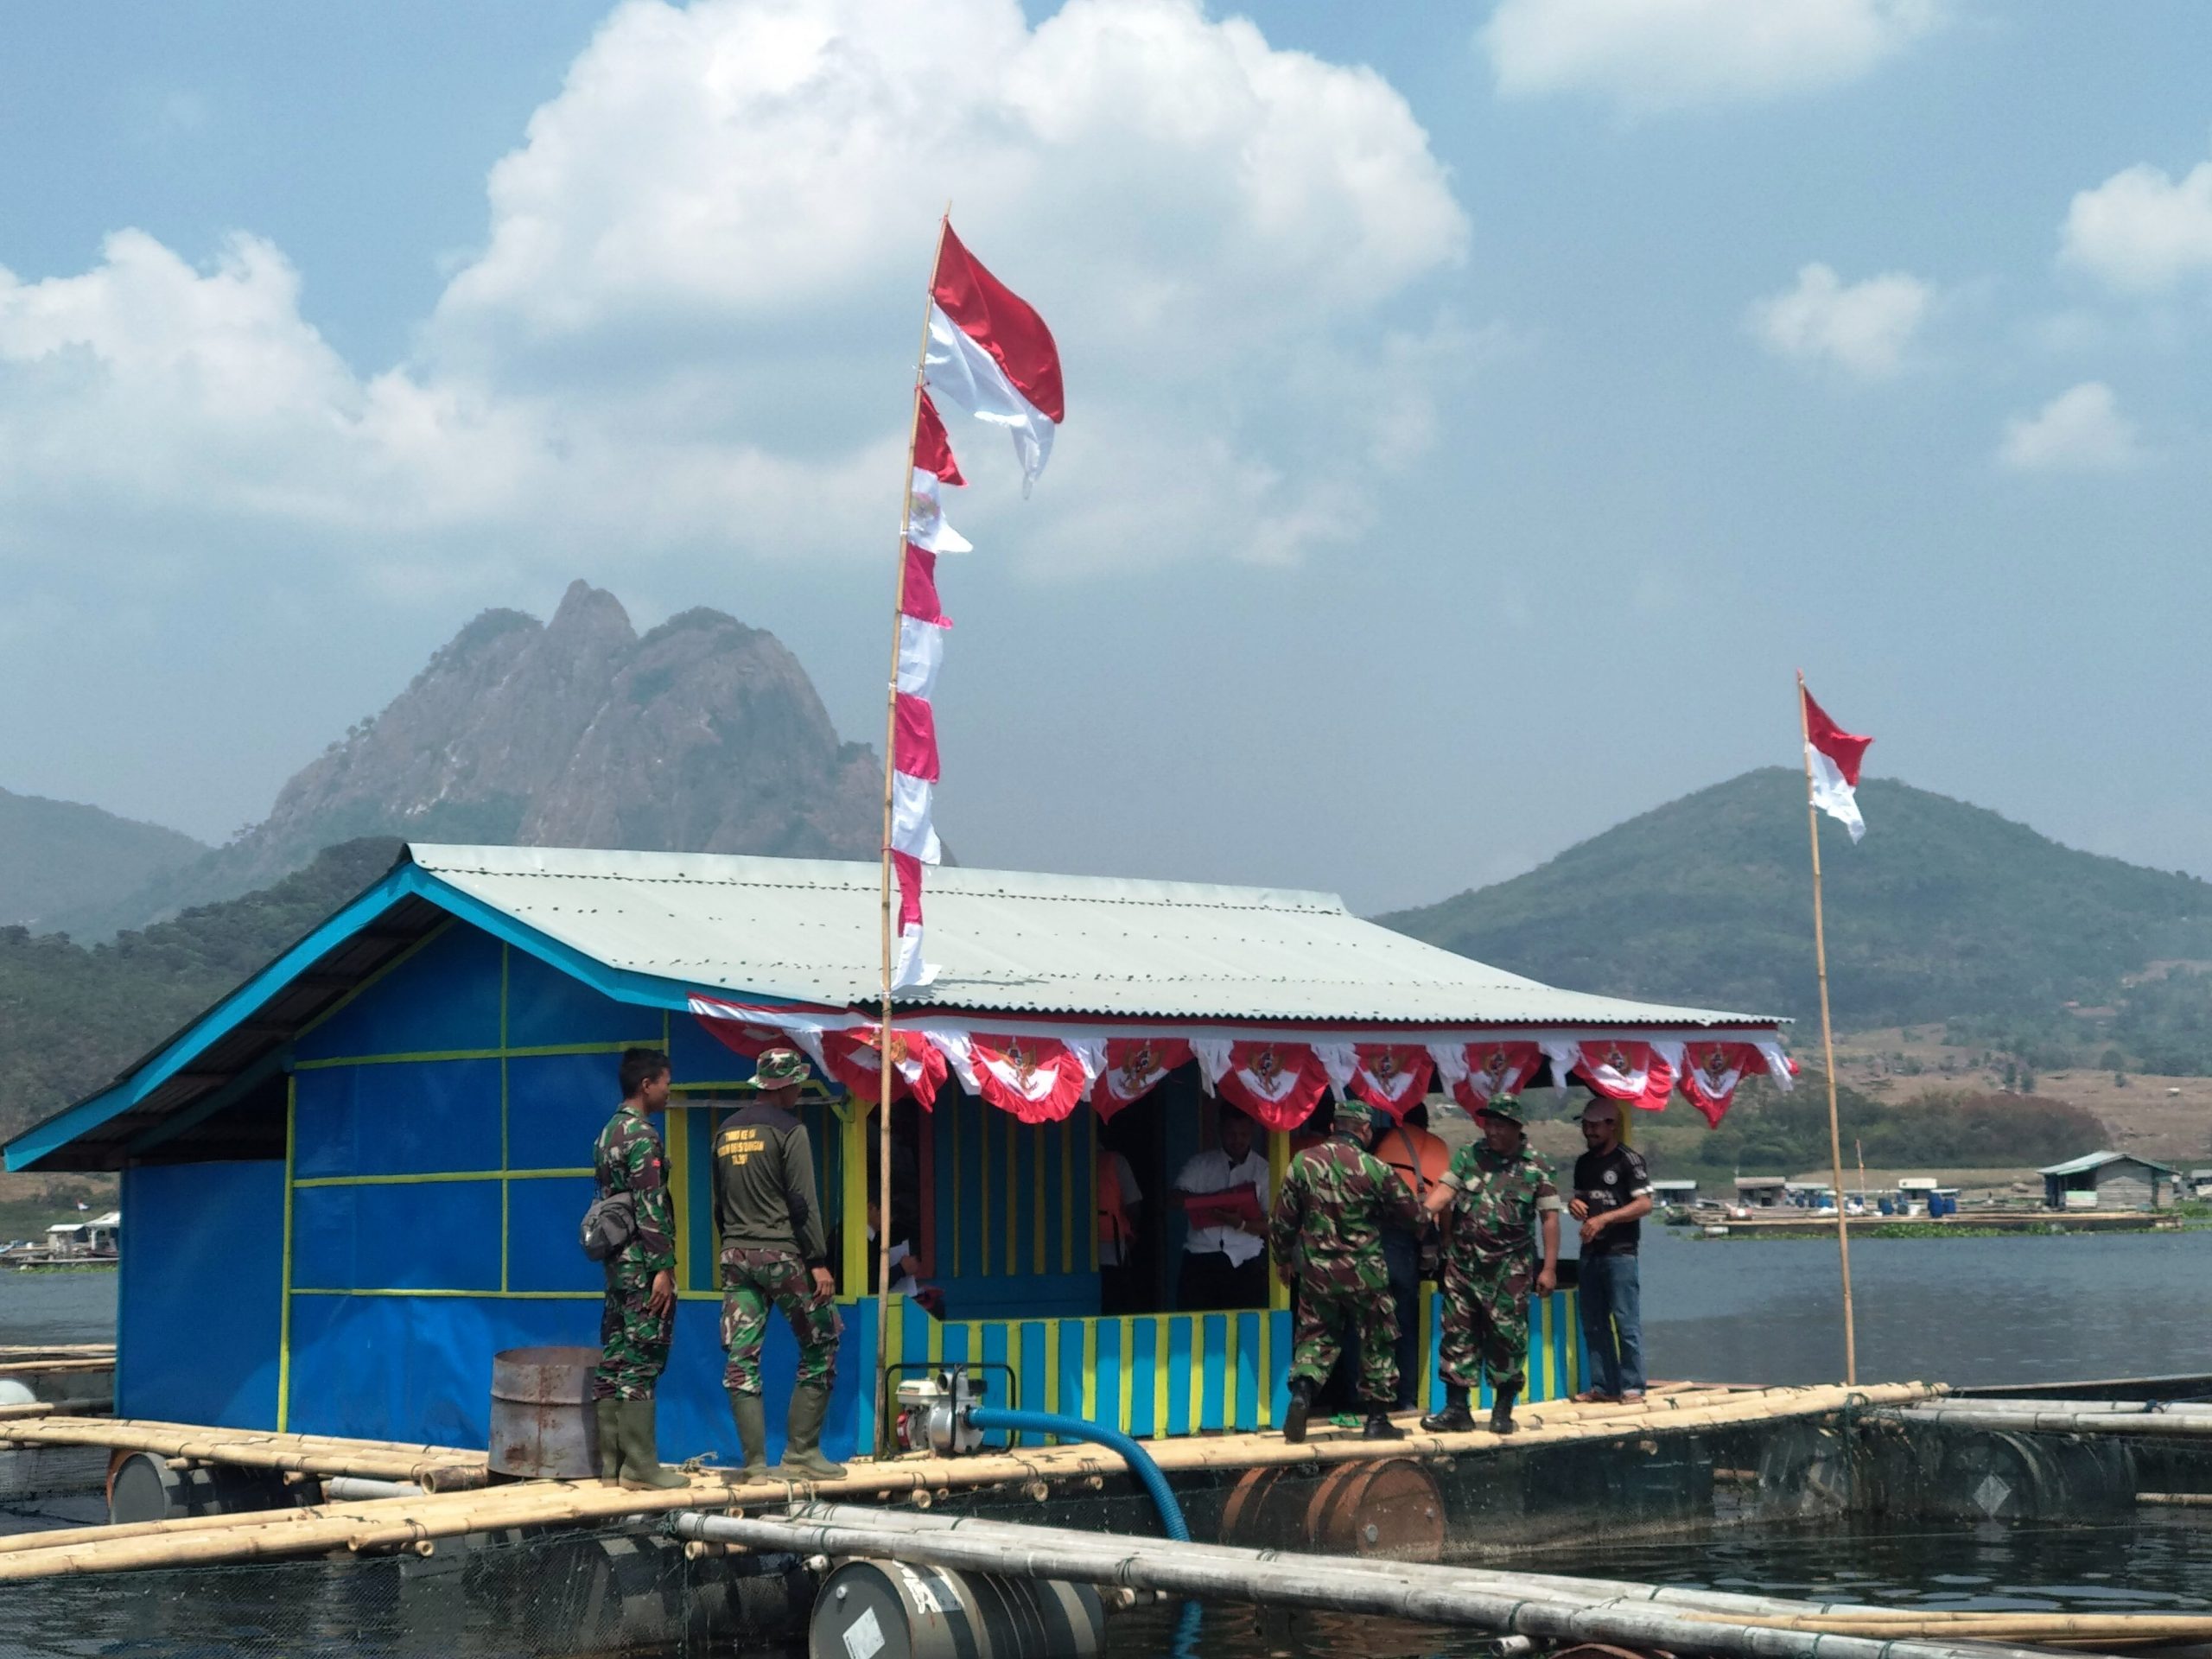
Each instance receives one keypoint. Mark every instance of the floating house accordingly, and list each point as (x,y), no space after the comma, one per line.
(357,1177)
(2109,1180)
(1675,1194)
(1762,1191)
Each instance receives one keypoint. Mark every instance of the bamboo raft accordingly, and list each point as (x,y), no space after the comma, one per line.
(458,1500)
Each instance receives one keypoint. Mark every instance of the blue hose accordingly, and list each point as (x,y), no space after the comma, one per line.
(1077,1429)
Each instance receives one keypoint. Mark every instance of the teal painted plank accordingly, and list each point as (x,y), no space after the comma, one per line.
(1144,1354)
(1248,1371)
(1036,1393)
(1072,1367)
(1213,1380)
(1107,1371)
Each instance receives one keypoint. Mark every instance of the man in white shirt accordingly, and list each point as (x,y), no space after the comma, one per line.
(1224,1193)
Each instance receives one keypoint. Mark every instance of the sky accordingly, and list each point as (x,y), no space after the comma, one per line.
(1476,412)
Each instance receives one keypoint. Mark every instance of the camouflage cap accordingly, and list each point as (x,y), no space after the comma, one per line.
(1355,1114)
(1507,1107)
(778,1066)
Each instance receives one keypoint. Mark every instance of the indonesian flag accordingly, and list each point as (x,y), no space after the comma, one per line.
(992,354)
(1039,1079)
(1833,755)
(1279,1085)
(1641,1074)
(750,1029)
(917,1065)
(1134,1067)
(1474,1072)
(1711,1072)
(1389,1076)
(921,623)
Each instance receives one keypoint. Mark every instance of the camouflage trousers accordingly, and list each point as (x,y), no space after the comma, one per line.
(755,1280)
(632,1339)
(1486,1320)
(1333,1309)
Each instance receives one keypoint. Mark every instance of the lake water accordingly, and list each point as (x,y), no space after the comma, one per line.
(2023,1309)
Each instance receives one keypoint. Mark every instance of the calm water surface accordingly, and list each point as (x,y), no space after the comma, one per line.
(1967,1311)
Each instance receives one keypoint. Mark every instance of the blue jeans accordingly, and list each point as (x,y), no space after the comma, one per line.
(1612,1323)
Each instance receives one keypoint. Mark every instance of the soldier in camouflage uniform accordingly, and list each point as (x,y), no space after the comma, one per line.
(1325,1236)
(773,1254)
(1492,1199)
(639,1317)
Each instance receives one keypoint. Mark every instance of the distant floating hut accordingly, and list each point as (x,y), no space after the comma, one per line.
(2109,1180)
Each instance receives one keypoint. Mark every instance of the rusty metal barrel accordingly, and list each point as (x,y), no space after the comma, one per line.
(542,1426)
(1389,1508)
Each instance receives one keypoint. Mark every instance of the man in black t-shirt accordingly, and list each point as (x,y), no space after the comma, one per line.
(1612,1194)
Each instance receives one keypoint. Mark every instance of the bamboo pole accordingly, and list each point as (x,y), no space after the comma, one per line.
(2069,1422)
(1437,1595)
(890,751)
(1619,1589)
(433,1474)
(1827,1044)
(33,1409)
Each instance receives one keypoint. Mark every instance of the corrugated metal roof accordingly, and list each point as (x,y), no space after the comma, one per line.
(2088,1161)
(808,930)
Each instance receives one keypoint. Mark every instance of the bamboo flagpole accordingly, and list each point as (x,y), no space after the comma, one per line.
(890,750)
(1828,1041)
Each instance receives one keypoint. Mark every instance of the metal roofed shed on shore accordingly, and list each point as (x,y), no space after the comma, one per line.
(806,930)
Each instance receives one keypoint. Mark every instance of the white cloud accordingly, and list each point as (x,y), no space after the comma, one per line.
(2081,430)
(1650,55)
(1863,328)
(2142,231)
(689,321)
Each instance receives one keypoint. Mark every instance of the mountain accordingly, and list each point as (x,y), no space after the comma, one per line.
(703,735)
(1945,912)
(71,1016)
(57,856)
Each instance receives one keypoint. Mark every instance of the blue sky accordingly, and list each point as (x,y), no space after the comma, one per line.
(1476,413)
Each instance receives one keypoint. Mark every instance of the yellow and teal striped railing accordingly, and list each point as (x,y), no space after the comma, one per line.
(1158,1375)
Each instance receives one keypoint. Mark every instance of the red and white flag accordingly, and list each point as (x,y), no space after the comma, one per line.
(1639,1074)
(1834,755)
(1476,1072)
(1279,1085)
(992,354)
(1134,1067)
(1039,1079)
(1389,1077)
(917,1066)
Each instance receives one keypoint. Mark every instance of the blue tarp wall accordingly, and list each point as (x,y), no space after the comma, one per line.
(441,1127)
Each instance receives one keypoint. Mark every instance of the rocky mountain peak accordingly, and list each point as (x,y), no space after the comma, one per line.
(704,735)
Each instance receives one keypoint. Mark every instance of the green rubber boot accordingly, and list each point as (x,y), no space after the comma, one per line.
(803,1459)
(607,1416)
(752,1417)
(641,1465)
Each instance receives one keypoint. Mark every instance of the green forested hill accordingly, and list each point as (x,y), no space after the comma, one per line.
(58,855)
(1944,913)
(71,1017)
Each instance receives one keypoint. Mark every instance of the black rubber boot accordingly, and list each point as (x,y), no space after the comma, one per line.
(641,1464)
(751,1415)
(1301,1402)
(606,1415)
(1379,1426)
(803,1459)
(1454,1419)
(1501,1410)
